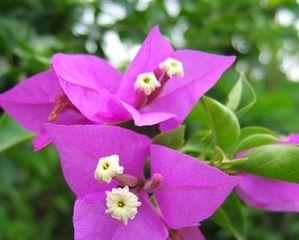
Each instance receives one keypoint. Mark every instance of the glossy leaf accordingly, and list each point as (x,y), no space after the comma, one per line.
(224,123)
(197,142)
(173,139)
(272,161)
(256,140)
(235,95)
(247,131)
(240,112)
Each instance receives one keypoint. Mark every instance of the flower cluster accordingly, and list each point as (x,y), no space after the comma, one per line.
(159,87)
(72,105)
(180,192)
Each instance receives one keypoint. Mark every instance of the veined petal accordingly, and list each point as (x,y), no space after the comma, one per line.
(145,118)
(293,139)
(191,190)
(87,71)
(191,233)
(153,51)
(91,222)
(80,148)
(90,83)
(180,94)
(41,140)
(268,194)
(31,101)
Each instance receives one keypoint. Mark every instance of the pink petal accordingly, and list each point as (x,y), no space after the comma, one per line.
(293,139)
(191,233)
(31,101)
(90,82)
(87,71)
(191,190)
(68,117)
(153,51)
(41,140)
(145,118)
(91,222)
(268,194)
(180,94)
(80,148)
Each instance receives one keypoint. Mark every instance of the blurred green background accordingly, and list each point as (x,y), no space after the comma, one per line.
(264,34)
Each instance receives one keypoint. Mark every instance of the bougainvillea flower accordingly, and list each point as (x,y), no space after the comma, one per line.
(37,100)
(186,190)
(269,194)
(40,99)
(160,85)
(191,190)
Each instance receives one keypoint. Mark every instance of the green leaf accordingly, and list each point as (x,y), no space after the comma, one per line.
(11,133)
(218,156)
(232,218)
(272,161)
(247,131)
(256,140)
(224,123)
(220,160)
(252,101)
(229,164)
(234,97)
(197,142)
(173,139)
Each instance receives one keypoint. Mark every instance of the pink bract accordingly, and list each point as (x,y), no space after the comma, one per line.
(190,192)
(118,101)
(32,101)
(100,94)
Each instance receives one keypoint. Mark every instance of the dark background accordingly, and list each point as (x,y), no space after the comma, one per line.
(35,202)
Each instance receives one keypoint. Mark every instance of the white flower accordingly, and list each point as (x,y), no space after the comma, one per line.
(172,67)
(122,204)
(107,168)
(147,82)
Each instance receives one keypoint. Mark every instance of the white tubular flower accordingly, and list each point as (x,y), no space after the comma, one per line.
(147,82)
(107,168)
(172,67)
(122,204)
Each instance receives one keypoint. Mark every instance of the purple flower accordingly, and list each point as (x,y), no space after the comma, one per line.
(160,86)
(186,190)
(270,194)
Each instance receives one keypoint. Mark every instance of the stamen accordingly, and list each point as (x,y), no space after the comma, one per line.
(107,168)
(128,180)
(174,234)
(154,183)
(61,104)
(172,67)
(147,82)
(122,204)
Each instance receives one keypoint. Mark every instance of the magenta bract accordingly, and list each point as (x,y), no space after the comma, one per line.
(190,191)
(81,88)
(32,102)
